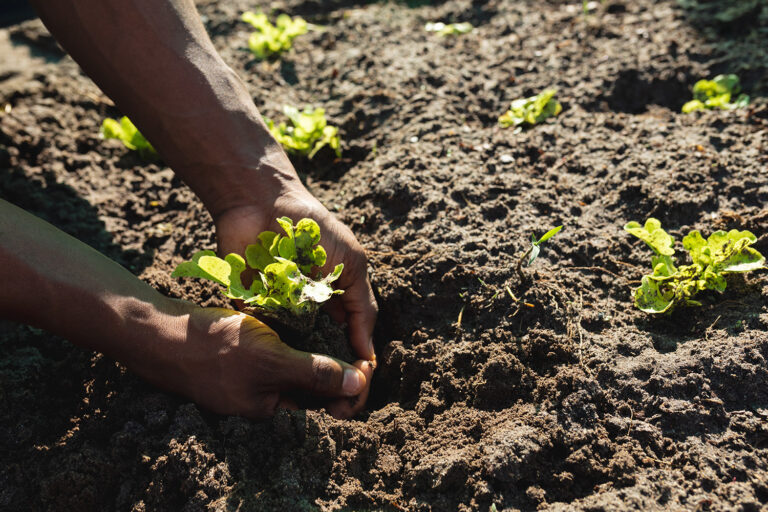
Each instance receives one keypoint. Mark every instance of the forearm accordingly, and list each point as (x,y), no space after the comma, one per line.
(155,60)
(55,282)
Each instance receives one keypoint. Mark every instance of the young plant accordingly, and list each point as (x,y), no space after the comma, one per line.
(283,289)
(531,110)
(712,260)
(448,29)
(309,133)
(532,253)
(717,94)
(125,131)
(271,40)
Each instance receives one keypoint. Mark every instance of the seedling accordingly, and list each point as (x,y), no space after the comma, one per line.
(309,132)
(448,29)
(532,253)
(125,131)
(713,259)
(717,94)
(283,289)
(531,111)
(271,40)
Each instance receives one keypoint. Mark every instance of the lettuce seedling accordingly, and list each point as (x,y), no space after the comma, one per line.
(448,29)
(717,94)
(309,133)
(531,110)
(271,40)
(125,131)
(283,289)
(712,260)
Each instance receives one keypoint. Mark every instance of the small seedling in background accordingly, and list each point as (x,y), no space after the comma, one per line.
(532,253)
(125,131)
(448,29)
(717,94)
(530,111)
(309,132)
(271,40)
(283,289)
(713,259)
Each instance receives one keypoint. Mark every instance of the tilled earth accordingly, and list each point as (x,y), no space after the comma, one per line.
(563,397)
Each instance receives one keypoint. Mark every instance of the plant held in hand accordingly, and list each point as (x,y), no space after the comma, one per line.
(309,133)
(448,29)
(283,289)
(271,40)
(530,111)
(125,131)
(713,259)
(717,94)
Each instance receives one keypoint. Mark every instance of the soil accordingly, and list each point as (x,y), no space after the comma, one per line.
(567,398)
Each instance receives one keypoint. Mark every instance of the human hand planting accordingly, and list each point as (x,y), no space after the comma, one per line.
(202,121)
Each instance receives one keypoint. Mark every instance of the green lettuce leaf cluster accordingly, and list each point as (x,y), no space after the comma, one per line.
(712,259)
(531,110)
(125,131)
(271,40)
(309,132)
(448,29)
(717,94)
(283,263)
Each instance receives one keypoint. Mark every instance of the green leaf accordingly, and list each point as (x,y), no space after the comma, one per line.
(652,234)
(653,297)
(129,135)
(271,40)
(531,110)
(259,255)
(308,134)
(717,94)
(448,29)
(534,253)
(549,234)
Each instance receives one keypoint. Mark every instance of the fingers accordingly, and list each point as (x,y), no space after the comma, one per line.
(322,375)
(348,407)
(361,309)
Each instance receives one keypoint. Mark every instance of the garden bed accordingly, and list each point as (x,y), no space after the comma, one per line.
(565,397)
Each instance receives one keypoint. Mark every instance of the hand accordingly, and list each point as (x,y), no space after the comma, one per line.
(239,226)
(232,363)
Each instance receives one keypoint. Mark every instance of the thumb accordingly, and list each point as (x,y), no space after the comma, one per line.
(322,375)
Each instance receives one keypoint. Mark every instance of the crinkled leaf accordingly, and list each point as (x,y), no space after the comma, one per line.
(653,297)
(259,255)
(271,40)
(308,133)
(717,94)
(653,235)
(532,110)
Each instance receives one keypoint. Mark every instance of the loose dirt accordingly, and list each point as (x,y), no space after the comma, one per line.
(563,398)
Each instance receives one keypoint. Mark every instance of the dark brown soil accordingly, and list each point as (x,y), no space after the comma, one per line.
(567,399)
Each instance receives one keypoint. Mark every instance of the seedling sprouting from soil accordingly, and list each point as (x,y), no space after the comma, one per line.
(125,131)
(271,40)
(530,111)
(713,259)
(717,94)
(283,289)
(532,253)
(448,29)
(309,132)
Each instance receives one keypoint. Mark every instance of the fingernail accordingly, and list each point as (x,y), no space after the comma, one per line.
(352,382)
